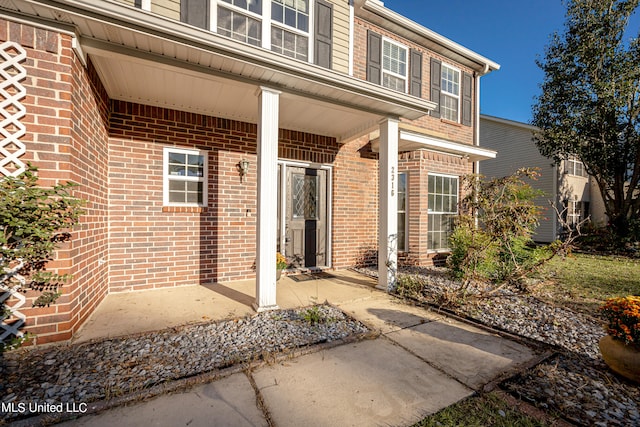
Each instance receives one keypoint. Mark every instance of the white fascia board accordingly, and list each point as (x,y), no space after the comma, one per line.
(378,8)
(435,144)
(144,23)
(508,122)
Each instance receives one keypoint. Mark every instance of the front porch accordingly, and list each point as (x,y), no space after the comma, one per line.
(128,313)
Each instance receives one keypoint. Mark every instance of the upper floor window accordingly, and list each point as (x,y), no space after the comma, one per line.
(394,65)
(142,4)
(450,96)
(293,13)
(282,26)
(241,20)
(290,29)
(452,91)
(573,166)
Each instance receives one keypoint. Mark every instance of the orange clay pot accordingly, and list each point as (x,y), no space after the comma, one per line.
(622,358)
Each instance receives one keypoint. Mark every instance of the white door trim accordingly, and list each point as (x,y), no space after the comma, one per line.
(283,164)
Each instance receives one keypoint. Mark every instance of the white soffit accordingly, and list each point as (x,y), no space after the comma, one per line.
(112,31)
(411,141)
(161,85)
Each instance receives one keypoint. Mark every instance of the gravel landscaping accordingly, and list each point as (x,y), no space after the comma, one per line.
(98,370)
(575,383)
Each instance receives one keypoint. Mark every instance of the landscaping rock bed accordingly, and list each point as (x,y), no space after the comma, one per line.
(575,383)
(93,371)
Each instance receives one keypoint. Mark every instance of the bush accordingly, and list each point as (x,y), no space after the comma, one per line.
(33,222)
(500,249)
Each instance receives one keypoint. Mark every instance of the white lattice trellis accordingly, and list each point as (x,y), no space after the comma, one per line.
(11,110)
(6,292)
(11,149)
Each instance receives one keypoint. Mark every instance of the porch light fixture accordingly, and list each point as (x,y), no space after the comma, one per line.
(243,167)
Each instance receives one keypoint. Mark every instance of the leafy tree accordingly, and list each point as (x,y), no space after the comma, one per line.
(590,102)
(33,221)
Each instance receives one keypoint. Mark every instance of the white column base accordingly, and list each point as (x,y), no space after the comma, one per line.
(259,309)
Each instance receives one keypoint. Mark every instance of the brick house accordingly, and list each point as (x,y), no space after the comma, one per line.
(208,134)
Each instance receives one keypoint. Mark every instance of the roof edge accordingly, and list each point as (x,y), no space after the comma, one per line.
(378,7)
(508,122)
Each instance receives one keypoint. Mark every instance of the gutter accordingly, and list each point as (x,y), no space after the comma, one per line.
(136,20)
(56,27)
(377,7)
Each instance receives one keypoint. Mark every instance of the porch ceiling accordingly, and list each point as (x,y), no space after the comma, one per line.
(143,57)
(187,89)
(411,141)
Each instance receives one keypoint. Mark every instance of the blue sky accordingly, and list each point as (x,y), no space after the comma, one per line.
(512,33)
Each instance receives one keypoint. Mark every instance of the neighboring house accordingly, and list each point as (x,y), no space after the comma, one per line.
(208,134)
(567,186)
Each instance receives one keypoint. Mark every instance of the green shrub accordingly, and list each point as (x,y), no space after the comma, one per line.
(33,222)
(491,241)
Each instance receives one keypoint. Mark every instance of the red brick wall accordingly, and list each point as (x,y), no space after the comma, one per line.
(89,162)
(154,246)
(66,140)
(418,165)
(434,126)
(355,205)
(127,240)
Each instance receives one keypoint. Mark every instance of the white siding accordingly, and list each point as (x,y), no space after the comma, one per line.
(514,143)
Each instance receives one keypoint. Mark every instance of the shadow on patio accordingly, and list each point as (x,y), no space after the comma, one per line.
(144,311)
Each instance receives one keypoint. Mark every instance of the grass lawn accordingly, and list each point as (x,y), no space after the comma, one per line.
(483,410)
(583,282)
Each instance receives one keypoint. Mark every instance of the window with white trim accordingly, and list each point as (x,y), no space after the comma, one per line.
(575,211)
(241,20)
(402,212)
(573,166)
(450,93)
(185,177)
(290,28)
(442,210)
(394,65)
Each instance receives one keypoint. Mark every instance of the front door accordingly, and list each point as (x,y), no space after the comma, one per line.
(306,217)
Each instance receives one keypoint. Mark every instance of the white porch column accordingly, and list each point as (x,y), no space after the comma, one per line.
(268,106)
(388,205)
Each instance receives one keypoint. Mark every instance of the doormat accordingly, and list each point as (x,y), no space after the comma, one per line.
(311,276)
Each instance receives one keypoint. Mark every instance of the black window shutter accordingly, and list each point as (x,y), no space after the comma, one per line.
(195,12)
(323,31)
(467,99)
(374,57)
(415,87)
(436,83)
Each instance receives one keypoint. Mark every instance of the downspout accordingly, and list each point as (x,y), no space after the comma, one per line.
(556,200)
(351,36)
(476,128)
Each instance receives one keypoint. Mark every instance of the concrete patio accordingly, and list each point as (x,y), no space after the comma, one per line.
(421,362)
(150,310)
